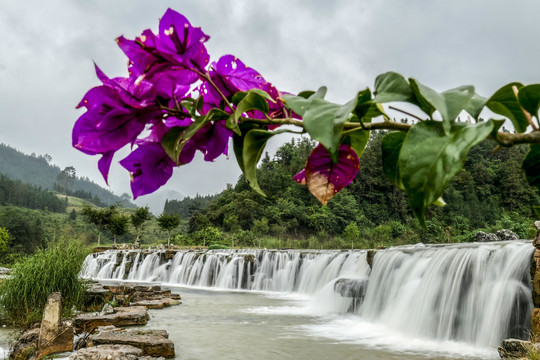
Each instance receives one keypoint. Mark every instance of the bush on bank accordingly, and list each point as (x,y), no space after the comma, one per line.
(53,269)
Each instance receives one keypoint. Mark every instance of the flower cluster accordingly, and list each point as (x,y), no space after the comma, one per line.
(167,71)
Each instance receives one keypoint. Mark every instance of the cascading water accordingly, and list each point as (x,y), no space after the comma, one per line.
(473,293)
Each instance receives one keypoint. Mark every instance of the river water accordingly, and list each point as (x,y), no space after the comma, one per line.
(246,325)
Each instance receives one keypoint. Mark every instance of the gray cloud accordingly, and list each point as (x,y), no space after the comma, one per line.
(47,50)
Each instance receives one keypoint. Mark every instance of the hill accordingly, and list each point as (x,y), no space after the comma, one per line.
(38,170)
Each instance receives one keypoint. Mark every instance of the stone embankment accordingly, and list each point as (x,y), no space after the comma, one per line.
(101,335)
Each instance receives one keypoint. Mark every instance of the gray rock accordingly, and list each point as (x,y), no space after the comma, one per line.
(123,316)
(108,352)
(151,342)
(516,349)
(505,235)
(485,237)
(50,324)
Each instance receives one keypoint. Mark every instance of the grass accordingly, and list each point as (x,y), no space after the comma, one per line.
(34,278)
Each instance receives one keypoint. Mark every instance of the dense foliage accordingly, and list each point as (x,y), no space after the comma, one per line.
(489,193)
(38,171)
(15,192)
(54,269)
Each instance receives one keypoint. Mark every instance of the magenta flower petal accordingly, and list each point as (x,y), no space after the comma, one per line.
(300,177)
(104,164)
(150,168)
(324,178)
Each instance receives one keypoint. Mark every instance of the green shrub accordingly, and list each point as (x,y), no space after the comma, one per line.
(217,246)
(34,278)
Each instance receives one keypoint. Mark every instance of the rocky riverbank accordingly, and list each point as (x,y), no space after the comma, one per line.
(104,334)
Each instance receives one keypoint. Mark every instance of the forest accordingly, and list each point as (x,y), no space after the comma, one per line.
(488,194)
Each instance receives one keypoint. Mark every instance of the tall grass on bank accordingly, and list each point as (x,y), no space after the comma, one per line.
(56,268)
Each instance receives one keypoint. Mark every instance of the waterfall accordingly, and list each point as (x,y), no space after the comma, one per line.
(473,293)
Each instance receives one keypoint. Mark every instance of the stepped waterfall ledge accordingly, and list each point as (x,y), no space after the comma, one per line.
(478,294)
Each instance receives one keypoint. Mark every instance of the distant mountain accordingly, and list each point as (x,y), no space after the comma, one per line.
(37,170)
(156,201)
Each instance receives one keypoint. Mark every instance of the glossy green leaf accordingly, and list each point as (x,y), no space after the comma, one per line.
(505,103)
(232,124)
(391,147)
(449,103)
(300,104)
(239,96)
(324,122)
(365,108)
(357,140)
(429,159)
(175,139)
(529,98)
(390,87)
(253,146)
(531,165)
(252,101)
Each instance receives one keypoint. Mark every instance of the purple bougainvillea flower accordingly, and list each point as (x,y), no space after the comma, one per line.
(212,140)
(117,112)
(324,178)
(172,57)
(231,75)
(150,168)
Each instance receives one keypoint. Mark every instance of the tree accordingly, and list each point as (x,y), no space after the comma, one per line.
(118,225)
(65,179)
(101,218)
(4,239)
(138,218)
(168,222)
(420,155)
(351,233)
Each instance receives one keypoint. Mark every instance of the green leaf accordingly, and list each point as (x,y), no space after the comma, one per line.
(529,98)
(449,103)
(531,165)
(365,109)
(505,103)
(324,122)
(429,159)
(537,211)
(476,105)
(357,140)
(232,124)
(391,147)
(252,101)
(238,142)
(176,138)
(253,146)
(299,104)
(239,96)
(390,87)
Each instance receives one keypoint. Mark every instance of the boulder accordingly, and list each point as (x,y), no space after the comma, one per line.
(370,256)
(25,347)
(123,316)
(505,235)
(486,237)
(151,342)
(52,315)
(107,352)
(157,303)
(516,349)
(535,322)
(352,288)
(95,297)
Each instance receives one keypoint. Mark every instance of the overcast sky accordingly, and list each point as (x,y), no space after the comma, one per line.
(47,49)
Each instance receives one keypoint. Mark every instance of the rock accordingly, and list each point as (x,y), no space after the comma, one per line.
(123,316)
(352,288)
(535,322)
(157,303)
(370,256)
(516,349)
(485,237)
(107,309)
(52,315)
(95,297)
(151,342)
(108,352)
(506,235)
(63,342)
(25,347)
